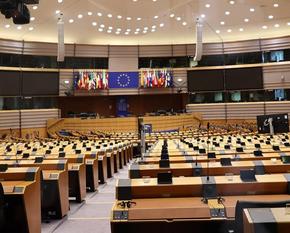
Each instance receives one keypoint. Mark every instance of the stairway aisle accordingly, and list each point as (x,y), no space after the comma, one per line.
(91,216)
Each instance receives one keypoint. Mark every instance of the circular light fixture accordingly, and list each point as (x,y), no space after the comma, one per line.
(252,9)
(270,17)
(276,5)
(229,30)
(227,13)
(277,25)
(34,7)
(119,17)
(71,21)
(264,27)
(207,5)
(171,15)
(246,20)
(222,23)
(30,28)
(184,23)
(218,31)
(232,2)
(99,14)
(241,29)
(90,13)
(80,16)
(94,24)
(110,15)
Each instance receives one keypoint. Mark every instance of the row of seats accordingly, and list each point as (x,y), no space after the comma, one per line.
(47,174)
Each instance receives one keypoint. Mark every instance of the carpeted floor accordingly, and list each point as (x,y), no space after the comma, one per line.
(91,216)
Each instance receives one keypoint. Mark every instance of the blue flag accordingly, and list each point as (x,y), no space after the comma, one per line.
(123,79)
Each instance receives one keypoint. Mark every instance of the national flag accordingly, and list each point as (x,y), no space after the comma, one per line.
(123,80)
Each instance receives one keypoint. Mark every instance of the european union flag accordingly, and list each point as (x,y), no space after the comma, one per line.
(123,79)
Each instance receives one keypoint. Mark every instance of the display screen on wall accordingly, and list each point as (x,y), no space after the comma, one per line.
(205,80)
(9,83)
(244,78)
(40,83)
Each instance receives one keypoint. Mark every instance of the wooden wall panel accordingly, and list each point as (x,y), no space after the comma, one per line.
(242,46)
(277,107)
(123,51)
(91,50)
(117,64)
(9,119)
(244,110)
(155,51)
(179,50)
(277,76)
(11,46)
(275,43)
(208,111)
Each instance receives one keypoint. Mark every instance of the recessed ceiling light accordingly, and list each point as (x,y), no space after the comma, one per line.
(154,0)
(30,28)
(207,5)
(119,29)
(34,7)
(117,32)
(232,2)
(110,15)
(136,32)
(90,13)
(241,29)
(110,28)
(19,27)
(109,31)
(144,32)
(128,18)
(161,25)
(154,26)
(128,30)
(171,15)
(137,29)
(80,16)
(7,26)
(246,20)
(135,0)
(222,23)
(139,18)
(71,21)
(288,23)
(126,33)
(99,14)
(57,11)
(252,9)
(270,17)
(102,25)
(101,29)
(32,18)
(227,13)
(264,27)
(145,28)
(184,23)
(94,24)
(153,30)
(156,17)
(229,30)
(119,16)
(178,18)
(59,1)
(202,16)
(277,25)
(218,31)
(276,5)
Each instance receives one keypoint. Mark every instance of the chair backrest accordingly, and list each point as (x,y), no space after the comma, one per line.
(239,226)
(2,205)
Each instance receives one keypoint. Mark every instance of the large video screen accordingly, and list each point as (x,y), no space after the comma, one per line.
(205,80)
(9,83)
(40,83)
(244,78)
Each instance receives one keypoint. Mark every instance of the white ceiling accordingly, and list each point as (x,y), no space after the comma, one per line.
(162,29)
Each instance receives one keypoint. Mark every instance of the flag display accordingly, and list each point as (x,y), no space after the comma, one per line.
(123,80)
(157,78)
(91,80)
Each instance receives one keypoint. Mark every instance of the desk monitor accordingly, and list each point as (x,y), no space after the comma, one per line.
(239,149)
(88,149)
(211,155)
(19,152)
(195,148)
(61,149)
(227,147)
(257,145)
(226,162)
(276,148)
(164,178)
(164,156)
(201,151)
(249,139)
(209,191)
(25,155)
(190,145)
(34,149)
(98,147)
(78,151)
(74,146)
(164,163)
(285,159)
(38,160)
(268,143)
(247,175)
(48,152)
(61,154)
(3,167)
(287,144)
(243,143)
(258,153)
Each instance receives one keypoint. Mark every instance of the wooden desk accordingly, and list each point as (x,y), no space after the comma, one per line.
(214,168)
(54,187)
(192,186)
(178,214)
(22,195)
(266,220)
